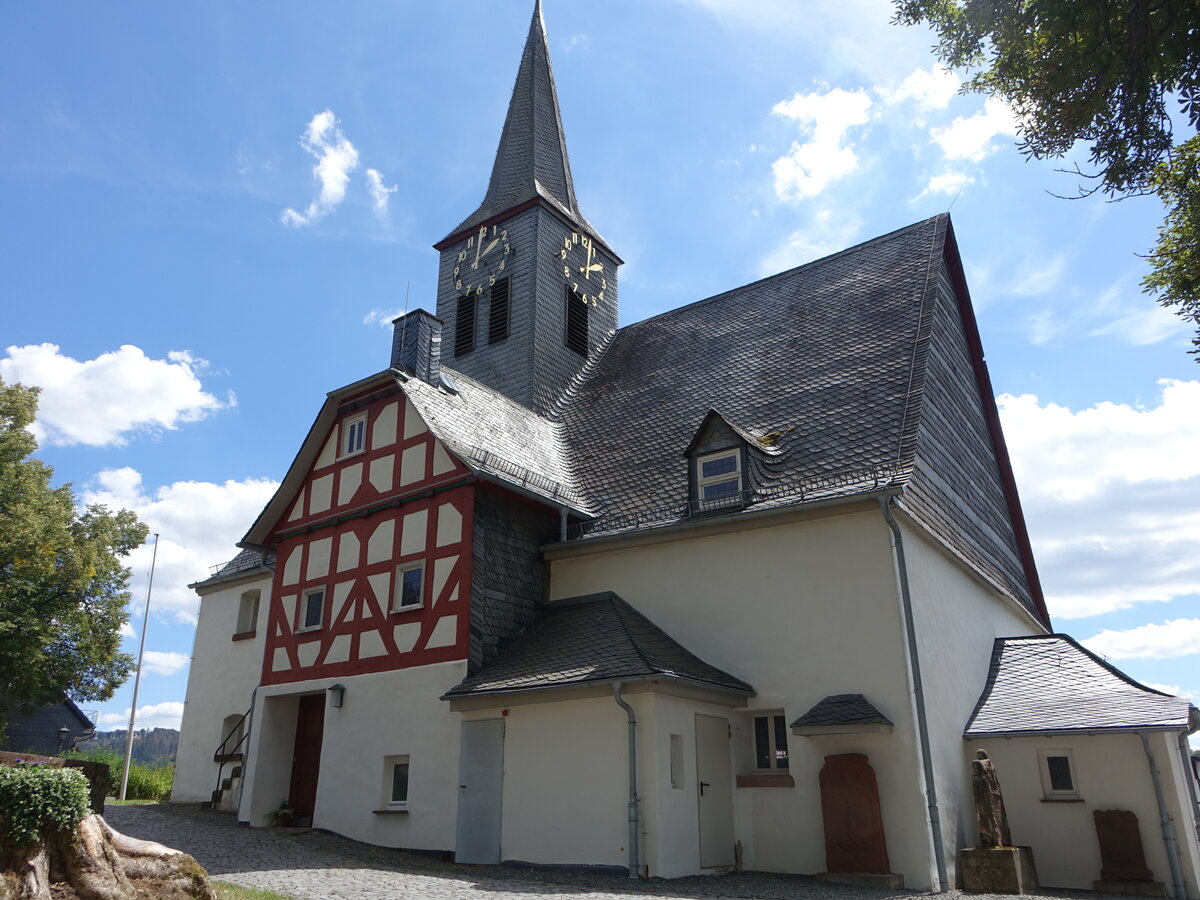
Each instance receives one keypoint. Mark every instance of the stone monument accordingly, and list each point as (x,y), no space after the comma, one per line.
(1123,868)
(994,866)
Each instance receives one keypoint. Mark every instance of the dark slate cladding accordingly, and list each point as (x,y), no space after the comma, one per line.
(585,640)
(510,582)
(824,362)
(38,731)
(956,486)
(842,709)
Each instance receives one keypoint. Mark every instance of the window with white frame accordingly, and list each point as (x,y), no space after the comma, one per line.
(395,782)
(410,587)
(312,610)
(354,431)
(1058,775)
(770,742)
(719,477)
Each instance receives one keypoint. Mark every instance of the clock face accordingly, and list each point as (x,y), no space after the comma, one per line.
(582,268)
(482,260)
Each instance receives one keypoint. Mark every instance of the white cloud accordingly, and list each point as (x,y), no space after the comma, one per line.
(1177,637)
(1112,497)
(127,631)
(1173,689)
(164,662)
(827,233)
(379,193)
(971,137)
(382,317)
(810,167)
(99,402)
(1144,325)
(158,715)
(197,522)
(932,88)
(947,183)
(1038,279)
(336,159)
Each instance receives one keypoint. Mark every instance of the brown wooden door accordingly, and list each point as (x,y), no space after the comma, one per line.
(306,757)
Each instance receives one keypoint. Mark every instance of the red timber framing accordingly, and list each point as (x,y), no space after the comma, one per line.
(360,518)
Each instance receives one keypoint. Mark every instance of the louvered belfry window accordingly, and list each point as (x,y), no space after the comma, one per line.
(498,312)
(577,323)
(464,326)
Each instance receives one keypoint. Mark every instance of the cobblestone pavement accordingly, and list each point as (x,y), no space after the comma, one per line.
(309,865)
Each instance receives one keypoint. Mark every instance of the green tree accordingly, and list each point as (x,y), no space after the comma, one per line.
(1107,73)
(62,589)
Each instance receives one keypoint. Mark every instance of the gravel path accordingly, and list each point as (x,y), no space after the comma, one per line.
(309,865)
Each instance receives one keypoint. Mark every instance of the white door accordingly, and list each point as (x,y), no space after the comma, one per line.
(480,786)
(715,788)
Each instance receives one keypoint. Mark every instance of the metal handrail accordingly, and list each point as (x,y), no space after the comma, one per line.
(222,753)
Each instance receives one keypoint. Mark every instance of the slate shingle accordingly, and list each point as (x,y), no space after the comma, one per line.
(842,709)
(1051,684)
(585,640)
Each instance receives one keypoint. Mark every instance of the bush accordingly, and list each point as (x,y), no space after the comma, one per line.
(146,782)
(37,800)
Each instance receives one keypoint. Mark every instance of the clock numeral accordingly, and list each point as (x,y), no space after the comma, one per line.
(491,280)
(479,290)
(566,271)
(458,284)
(503,263)
(462,255)
(562,254)
(470,242)
(455,272)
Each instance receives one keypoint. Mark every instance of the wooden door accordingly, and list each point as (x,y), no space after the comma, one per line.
(480,792)
(714,774)
(306,757)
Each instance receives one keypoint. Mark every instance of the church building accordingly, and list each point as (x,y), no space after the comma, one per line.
(742,585)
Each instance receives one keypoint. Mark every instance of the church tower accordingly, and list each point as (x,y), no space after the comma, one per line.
(526,287)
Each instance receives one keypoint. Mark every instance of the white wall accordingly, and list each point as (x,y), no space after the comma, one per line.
(957,619)
(384,714)
(1111,772)
(800,611)
(221,680)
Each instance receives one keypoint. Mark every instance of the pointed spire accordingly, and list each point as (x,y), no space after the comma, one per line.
(531,160)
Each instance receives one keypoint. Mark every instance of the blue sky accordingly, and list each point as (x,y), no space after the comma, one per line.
(212,207)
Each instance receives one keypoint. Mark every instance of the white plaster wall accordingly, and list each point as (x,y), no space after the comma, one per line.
(800,611)
(566,782)
(1111,773)
(957,619)
(384,714)
(221,680)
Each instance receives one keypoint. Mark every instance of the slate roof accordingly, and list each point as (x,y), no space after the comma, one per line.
(245,561)
(531,161)
(842,709)
(496,435)
(594,639)
(1052,685)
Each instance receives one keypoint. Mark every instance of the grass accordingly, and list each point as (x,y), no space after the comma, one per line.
(227,891)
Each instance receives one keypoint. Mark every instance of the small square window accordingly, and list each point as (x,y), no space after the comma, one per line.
(313,609)
(410,587)
(353,432)
(1058,775)
(719,478)
(770,742)
(395,782)
(247,614)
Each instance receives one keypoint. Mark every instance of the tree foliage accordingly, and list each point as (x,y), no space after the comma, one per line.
(1122,76)
(62,588)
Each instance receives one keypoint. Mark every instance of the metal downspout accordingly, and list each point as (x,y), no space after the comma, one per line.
(1168,825)
(634,868)
(914,662)
(1189,775)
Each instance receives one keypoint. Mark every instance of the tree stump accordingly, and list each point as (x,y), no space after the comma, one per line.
(98,863)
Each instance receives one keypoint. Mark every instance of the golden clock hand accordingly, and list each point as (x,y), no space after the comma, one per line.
(490,247)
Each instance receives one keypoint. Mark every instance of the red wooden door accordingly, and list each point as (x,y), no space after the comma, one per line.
(306,757)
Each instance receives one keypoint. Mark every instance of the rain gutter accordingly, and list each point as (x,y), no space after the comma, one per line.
(1168,824)
(918,695)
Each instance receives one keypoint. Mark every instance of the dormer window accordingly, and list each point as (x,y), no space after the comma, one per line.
(719,478)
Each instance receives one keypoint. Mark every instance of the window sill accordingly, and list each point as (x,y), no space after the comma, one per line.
(406,609)
(1063,800)
(244,635)
(766,781)
(351,455)
(312,629)
(391,811)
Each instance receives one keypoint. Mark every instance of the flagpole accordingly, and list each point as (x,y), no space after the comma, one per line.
(137,678)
